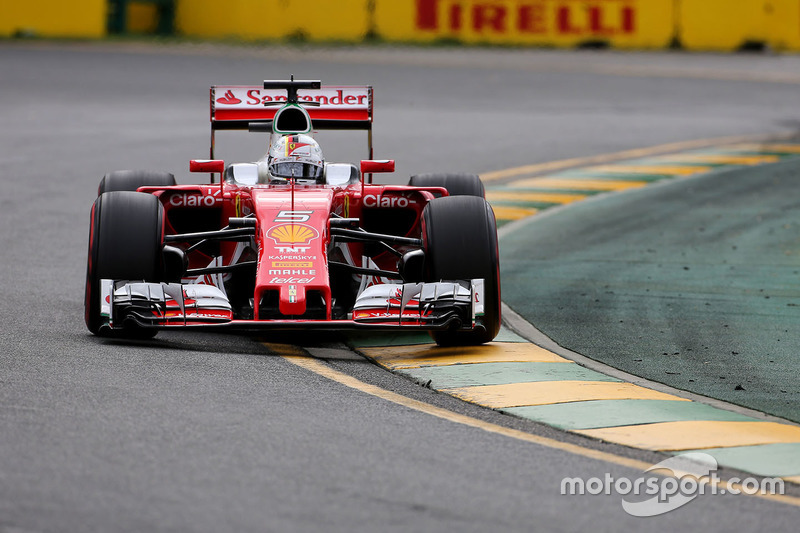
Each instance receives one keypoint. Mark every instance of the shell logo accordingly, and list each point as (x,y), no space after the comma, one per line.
(292,234)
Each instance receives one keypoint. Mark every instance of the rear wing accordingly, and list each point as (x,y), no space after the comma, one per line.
(244,107)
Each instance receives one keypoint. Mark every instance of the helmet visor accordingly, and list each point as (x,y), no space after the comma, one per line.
(295,170)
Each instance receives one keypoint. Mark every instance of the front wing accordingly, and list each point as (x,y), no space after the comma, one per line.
(424,306)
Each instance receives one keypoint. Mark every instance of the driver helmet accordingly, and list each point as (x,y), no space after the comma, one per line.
(296,156)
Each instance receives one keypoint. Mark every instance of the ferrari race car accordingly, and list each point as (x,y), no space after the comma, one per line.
(291,240)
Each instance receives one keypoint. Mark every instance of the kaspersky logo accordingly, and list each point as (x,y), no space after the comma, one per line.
(292,238)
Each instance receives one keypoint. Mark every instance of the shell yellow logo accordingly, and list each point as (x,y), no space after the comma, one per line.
(292,233)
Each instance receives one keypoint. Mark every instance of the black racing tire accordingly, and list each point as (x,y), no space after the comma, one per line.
(460,242)
(126,237)
(131,180)
(457,184)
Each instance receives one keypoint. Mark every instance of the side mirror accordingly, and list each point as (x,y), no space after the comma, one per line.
(244,173)
(207,165)
(371,165)
(340,174)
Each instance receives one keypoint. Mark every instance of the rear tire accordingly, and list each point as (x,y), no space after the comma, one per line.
(457,184)
(460,242)
(125,241)
(131,180)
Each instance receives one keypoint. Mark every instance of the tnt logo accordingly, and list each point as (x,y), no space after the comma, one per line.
(586,18)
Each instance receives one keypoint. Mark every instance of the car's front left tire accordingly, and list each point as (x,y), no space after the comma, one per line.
(460,243)
(457,184)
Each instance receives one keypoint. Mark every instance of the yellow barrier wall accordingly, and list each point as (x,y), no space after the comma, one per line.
(783,25)
(346,20)
(620,23)
(53,18)
(727,25)
(721,24)
(698,24)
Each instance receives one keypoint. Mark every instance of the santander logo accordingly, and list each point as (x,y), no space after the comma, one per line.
(229,99)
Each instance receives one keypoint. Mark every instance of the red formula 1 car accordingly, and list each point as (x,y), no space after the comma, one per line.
(293,241)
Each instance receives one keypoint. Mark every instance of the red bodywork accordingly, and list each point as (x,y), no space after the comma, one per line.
(292,239)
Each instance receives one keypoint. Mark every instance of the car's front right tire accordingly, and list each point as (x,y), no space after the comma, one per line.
(125,241)
(131,180)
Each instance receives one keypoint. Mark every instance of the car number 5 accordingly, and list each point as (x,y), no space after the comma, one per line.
(293,216)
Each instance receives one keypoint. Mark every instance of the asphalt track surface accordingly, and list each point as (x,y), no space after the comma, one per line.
(217,432)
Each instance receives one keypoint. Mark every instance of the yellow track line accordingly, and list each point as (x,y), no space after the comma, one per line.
(551,392)
(506,212)
(696,434)
(665,170)
(422,355)
(319,368)
(625,154)
(547,197)
(766,147)
(578,184)
(718,159)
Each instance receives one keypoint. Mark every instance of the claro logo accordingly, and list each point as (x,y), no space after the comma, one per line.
(194,200)
(371,200)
